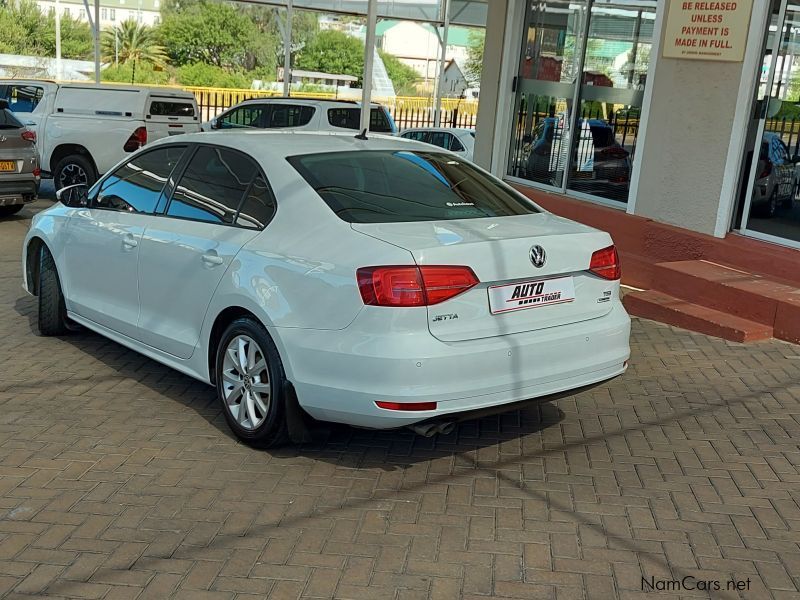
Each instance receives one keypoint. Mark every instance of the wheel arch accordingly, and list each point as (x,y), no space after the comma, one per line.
(222,320)
(32,263)
(63,150)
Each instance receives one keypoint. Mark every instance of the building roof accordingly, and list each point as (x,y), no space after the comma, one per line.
(149,5)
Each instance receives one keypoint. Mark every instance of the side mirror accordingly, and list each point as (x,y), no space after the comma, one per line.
(74,196)
(214,123)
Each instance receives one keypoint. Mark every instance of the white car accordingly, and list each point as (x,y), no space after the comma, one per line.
(380,282)
(298,113)
(457,140)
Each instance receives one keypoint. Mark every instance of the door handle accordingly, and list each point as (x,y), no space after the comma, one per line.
(129,242)
(212,259)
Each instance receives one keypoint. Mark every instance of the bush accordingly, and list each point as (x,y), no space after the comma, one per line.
(143,74)
(204,75)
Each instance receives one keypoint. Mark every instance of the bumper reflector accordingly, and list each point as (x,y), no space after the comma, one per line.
(408,406)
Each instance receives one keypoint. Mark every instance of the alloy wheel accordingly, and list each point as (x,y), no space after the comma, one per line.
(72,174)
(245,382)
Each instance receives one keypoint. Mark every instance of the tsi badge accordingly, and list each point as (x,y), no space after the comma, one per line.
(538,256)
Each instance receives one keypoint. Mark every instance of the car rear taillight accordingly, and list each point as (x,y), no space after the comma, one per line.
(410,406)
(413,285)
(37,172)
(29,135)
(605,263)
(137,140)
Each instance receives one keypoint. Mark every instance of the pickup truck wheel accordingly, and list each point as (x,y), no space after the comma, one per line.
(52,310)
(72,170)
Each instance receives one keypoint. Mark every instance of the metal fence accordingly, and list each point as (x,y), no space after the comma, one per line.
(788,130)
(407,111)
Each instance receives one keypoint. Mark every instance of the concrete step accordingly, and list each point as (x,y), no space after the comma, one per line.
(662,307)
(732,291)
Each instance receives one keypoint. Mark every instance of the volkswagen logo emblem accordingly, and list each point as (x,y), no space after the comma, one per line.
(538,256)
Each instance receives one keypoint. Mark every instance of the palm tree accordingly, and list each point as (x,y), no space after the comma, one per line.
(132,42)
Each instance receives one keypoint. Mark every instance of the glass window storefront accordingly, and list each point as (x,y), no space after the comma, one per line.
(579,93)
(769,206)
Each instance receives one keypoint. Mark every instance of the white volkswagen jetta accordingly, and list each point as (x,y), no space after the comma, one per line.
(379,282)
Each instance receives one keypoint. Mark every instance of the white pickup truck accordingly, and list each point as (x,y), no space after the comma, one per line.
(84,129)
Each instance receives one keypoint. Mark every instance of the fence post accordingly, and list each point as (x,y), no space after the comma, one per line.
(454,120)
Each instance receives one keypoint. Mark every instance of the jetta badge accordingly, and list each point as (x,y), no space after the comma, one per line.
(538,256)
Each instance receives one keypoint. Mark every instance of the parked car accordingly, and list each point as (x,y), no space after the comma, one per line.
(375,282)
(19,163)
(600,164)
(460,141)
(301,113)
(775,177)
(84,129)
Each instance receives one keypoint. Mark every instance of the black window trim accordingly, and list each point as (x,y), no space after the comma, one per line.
(180,169)
(99,183)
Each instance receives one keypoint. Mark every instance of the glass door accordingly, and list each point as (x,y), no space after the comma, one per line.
(550,65)
(770,207)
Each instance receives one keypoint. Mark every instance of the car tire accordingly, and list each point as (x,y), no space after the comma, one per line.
(7,211)
(254,409)
(74,169)
(52,310)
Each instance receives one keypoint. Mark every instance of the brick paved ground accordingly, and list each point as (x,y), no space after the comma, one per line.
(119,480)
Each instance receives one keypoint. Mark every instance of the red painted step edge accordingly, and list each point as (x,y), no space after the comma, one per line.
(680,313)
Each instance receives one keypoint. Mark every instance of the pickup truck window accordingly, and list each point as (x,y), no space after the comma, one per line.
(22,98)
(170,108)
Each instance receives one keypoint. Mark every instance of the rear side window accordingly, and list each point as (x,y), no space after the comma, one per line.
(350,118)
(212,186)
(169,108)
(137,185)
(415,135)
(394,186)
(441,139)
(258,206)
(8,120)
(290,115)
(253,115)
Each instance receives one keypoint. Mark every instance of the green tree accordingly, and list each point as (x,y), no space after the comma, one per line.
(204,75)
(474,65)
(207,31)
(134,44)
(404,78)
(332,51)
(25,30)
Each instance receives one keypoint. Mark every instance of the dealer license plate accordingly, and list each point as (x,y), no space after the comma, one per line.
(8,165)
(530,294)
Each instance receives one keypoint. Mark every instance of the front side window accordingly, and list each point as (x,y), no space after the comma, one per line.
(212,186)
(137,185)
(415,135)
(441,139)
(455,144)
(394,186)
(244,116)
(290,115)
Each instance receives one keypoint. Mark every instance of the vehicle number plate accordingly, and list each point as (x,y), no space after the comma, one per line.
(530,294)
(8,165)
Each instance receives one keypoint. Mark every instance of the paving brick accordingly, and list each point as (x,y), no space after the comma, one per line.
(119,480)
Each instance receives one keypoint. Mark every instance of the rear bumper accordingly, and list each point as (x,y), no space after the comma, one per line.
(17,189)
(338,375)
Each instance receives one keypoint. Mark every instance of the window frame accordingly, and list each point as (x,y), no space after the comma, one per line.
(95,190)
(180,169)
(266,115)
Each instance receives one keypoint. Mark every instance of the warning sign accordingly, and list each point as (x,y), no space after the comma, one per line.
(707,30)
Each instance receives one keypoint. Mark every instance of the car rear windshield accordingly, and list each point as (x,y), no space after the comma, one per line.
(8,120)
(350,118)
(387,186)
(167,108)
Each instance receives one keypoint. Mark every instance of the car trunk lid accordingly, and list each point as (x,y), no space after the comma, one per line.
(513,295)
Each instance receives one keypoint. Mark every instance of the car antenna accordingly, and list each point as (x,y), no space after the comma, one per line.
(362,135)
